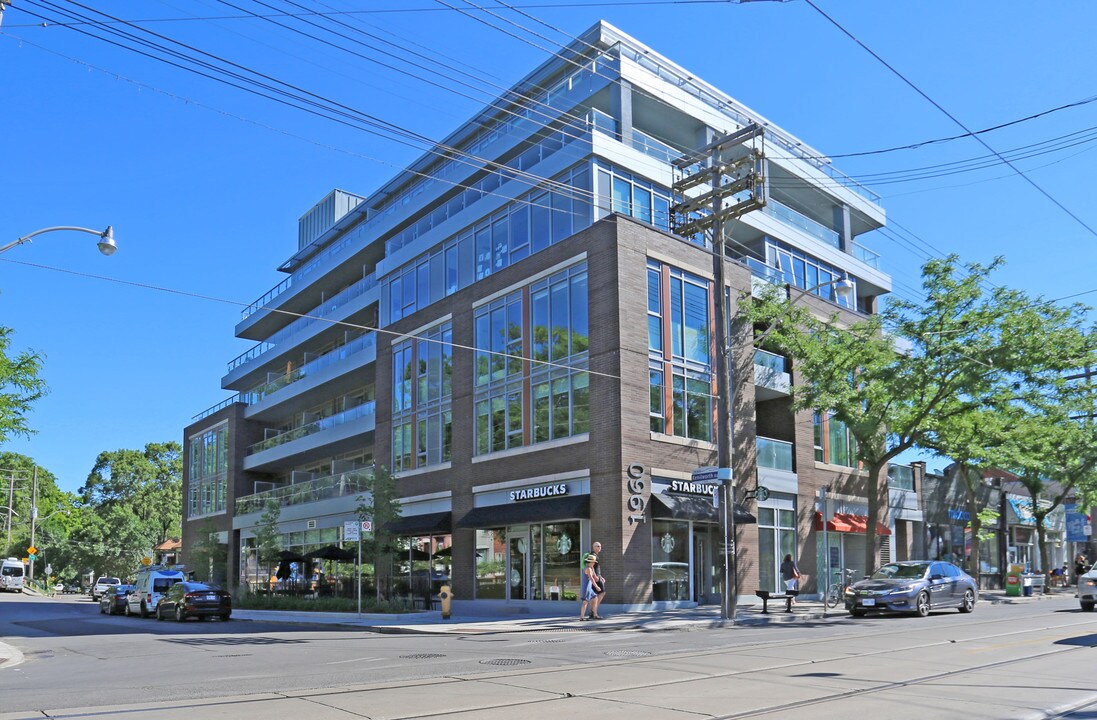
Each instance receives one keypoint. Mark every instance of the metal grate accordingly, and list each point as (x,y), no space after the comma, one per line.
(627,653)
(422,656)
(505,661)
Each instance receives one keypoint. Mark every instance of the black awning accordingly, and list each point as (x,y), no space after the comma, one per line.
(559,508)
(439,523)
(700,509)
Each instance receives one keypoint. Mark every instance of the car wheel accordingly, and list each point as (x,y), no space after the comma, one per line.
(1087,606)
(102,610)
(159,613)
(969,602)
(857,613)
(179,615)
(921,604)
(144,609)
(126,609)
(225,617)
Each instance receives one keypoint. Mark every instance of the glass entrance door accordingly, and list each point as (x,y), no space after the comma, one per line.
(518,563)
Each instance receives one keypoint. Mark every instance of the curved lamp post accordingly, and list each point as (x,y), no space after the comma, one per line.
(106,237)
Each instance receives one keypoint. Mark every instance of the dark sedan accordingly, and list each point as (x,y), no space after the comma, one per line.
(113,599)
(191,599)
(914,586)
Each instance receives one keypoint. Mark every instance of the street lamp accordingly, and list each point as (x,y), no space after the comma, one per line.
(106,237)
(843,288)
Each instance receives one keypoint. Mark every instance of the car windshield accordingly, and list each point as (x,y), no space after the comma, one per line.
(889,572)
(108,581)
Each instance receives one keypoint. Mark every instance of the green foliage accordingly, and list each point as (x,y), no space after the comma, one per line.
(307,604)
(380,505)
(268,537)
(20,387)
(970,347)
(988,518)
(208,558)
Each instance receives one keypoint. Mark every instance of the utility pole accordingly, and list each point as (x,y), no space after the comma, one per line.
(11,499)
(33,515)
(732,171)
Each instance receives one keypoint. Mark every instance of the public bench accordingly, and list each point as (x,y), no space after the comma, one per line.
(788,596)
(1036,581)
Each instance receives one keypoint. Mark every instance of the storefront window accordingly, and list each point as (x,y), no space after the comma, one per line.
(670,560)
(561,561)
(491,564)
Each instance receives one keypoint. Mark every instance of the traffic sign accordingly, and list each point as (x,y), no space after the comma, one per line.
(146,561)
(367,526)
(351,531)
(32,550)
(31,557)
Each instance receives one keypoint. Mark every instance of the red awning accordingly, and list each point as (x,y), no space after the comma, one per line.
(844,522)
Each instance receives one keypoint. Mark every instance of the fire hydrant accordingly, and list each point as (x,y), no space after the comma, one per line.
(446,596)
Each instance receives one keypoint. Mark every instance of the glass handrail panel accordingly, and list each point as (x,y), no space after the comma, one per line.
(770,361)
(803,222)
(325,423)
(901,477)
(339,485)
(776,454)
(868,257)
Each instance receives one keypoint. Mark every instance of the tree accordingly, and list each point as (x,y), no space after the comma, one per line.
(268,537)
(968,346)
(379,504)
(20,387)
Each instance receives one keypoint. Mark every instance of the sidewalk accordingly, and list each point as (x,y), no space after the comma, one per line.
(706,617)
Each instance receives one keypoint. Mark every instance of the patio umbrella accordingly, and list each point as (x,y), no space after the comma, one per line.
(331,552)
(289,556)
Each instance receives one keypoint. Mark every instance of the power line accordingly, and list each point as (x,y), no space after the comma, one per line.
(952,117)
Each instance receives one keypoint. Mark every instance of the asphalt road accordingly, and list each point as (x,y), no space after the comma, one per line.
(1033,660)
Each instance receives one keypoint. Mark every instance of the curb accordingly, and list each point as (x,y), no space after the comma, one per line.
(9,656)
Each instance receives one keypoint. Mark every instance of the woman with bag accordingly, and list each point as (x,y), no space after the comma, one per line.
(589,587)
(790,574)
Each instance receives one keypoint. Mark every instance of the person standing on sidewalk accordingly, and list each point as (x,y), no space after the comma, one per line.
(596,551)
(1081,565)
(588,585)
(791,576)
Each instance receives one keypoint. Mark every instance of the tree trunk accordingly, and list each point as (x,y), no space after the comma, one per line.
(876,492)
(1041,540)
(976,528)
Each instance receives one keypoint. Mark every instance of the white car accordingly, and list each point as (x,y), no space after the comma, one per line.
(101,586)
(1087,589)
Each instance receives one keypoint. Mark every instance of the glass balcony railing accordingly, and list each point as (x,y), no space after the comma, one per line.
(868,257)
(320,312)
(802,222)
(348,483)
(770,361)
(901,477)
(277,381)
(326,423)
(776,454)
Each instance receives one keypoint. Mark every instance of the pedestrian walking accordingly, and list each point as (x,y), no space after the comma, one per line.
(596,551)
(588,587)
(1081,565)
(791,575)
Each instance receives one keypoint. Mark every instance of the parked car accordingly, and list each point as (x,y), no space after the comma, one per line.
(101,585)
(151,584)
(1087,589)
(113,599)
(914,586)
(192,599)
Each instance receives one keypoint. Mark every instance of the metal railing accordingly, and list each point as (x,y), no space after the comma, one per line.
(803,222)
(325,423)
(324,488)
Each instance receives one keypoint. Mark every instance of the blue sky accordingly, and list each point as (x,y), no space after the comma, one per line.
(204,183)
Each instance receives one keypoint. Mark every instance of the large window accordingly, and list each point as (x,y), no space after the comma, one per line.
(208,472)
(679,353)
(834,443)
(776,538)
(805,271)
(530,224)
(530,382)
(422,388)
(627,194)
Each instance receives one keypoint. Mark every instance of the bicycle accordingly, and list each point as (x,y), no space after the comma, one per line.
(837,589)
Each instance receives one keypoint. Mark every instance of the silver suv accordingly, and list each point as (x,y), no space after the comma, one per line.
(101,586)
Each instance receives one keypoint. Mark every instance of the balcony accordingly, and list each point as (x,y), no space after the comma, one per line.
(325,488)
(325,309)
(771,377)
(366,343)
(775,454)
(802,222)
(303,431)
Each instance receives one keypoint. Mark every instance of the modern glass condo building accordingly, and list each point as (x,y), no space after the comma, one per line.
(512,327)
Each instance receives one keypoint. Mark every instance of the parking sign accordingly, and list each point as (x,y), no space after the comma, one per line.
(350,530)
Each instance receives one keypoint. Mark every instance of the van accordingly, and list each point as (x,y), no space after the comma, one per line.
(11,575)
(151,584)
